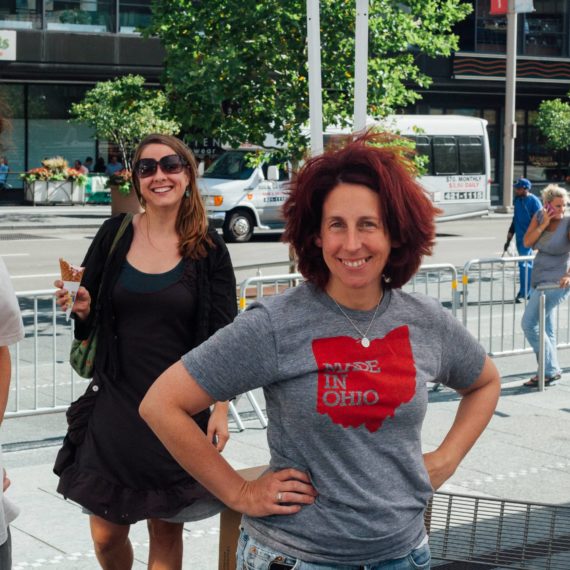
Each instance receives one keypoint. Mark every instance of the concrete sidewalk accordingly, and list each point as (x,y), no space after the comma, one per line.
(523,455)
(53,216)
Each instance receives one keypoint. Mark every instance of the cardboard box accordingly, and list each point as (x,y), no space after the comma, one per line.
(229,525)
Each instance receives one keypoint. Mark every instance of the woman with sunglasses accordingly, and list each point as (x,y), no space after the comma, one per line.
(344,360)
(168,286)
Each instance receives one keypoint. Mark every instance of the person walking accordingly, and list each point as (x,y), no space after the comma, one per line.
(168,285)
(549,234)
(526,206)
(11,331)
(344,360)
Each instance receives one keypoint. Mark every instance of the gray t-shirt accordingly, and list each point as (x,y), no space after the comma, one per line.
(553,258)
(349,416)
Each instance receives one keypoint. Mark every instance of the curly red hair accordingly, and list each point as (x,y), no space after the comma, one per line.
(405,208)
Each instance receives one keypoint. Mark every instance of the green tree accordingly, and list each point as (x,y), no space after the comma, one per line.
(124,111)
(553,121)
(237,69)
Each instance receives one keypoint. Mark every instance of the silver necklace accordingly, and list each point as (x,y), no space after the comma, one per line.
(364,341)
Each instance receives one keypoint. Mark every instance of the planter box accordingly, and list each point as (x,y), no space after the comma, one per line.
(41,192)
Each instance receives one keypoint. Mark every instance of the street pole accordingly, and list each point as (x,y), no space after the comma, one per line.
(510,127)
(360,66)
(315,94)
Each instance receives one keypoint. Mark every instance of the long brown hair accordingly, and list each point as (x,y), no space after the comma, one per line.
(191,221)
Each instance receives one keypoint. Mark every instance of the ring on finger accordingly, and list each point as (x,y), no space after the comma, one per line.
(279,497)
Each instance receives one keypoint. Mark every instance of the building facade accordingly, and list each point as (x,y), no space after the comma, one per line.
(472,82)
(64,46)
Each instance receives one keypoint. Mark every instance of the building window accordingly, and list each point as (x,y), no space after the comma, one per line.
(79,15)
(20,14)
(12,138)
(545,30)
(133,15)
(491,31)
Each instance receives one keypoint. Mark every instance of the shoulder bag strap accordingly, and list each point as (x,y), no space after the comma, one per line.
(122,228)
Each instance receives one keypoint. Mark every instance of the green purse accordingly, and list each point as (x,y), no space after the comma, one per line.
(82,353)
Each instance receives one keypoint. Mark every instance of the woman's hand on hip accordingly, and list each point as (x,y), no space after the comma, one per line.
(282,492)
(565,282)
(82,305)
(218,432)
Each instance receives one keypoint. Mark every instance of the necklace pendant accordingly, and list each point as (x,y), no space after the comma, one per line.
(365,342)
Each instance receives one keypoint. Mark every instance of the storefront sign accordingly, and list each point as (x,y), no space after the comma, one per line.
(7,45)
(523,6)
(499,7)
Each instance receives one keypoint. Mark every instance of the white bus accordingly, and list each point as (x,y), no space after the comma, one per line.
(240,198)
(458,177)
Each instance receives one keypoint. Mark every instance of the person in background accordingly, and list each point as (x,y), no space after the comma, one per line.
(549,234)
(526,206)
(168,286)
(80,167)
(4,170)
(100,165)
(344,360)
(89,163)
(11,331)
(113,166)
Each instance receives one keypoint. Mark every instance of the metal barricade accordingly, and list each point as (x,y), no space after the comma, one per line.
(488,533)
(43,382)
(489,310)
(438,280)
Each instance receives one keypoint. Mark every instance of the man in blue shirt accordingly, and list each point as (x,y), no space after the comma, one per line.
(526,206)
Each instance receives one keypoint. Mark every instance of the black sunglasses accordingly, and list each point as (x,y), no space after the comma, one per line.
(171,164)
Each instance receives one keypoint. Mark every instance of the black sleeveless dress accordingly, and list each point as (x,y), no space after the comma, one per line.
(122,472)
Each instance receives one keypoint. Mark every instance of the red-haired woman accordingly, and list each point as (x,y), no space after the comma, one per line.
(344,360)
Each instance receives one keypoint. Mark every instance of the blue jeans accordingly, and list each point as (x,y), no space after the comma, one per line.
(525,271)
(253,555)
(530,319)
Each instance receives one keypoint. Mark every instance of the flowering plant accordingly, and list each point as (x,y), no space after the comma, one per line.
(55,170)
(122,180)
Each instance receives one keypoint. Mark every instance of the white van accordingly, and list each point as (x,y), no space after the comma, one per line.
(240,197)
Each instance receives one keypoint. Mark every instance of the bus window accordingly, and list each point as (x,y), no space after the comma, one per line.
(471,155)
(423,148)
(444,155)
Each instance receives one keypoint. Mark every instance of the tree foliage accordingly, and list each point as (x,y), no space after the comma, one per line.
(237,70)
(124,111)
(553,122)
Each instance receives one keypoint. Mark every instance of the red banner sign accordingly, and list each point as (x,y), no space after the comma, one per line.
(499,7)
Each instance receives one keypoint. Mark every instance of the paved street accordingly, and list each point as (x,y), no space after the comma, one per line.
(524,455)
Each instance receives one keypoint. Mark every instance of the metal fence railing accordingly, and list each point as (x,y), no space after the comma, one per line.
(490,311)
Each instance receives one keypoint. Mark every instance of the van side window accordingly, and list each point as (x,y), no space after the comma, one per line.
(471,155)
(445,155)
(423,148)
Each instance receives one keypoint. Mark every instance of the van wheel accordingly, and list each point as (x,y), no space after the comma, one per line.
(238,227)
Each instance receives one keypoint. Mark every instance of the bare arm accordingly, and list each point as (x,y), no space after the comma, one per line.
(535,230)
(167,409)
(474,413)
(5,372)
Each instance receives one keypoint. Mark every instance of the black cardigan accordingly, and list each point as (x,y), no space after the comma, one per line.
(215,281)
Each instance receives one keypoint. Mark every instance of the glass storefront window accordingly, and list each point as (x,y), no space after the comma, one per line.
(20,14)
(133,15)
(491,31)
(545,30)
(12,138)
(79,15)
